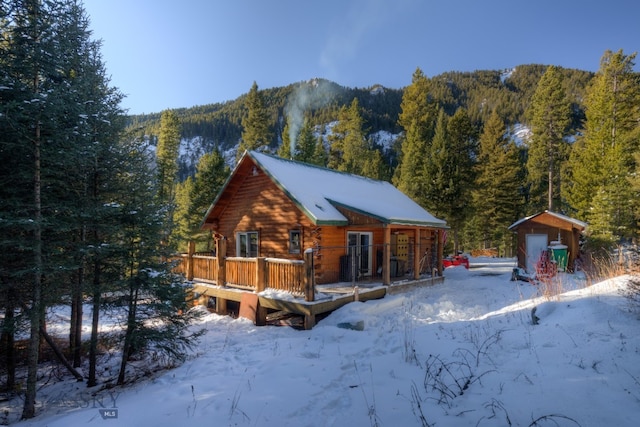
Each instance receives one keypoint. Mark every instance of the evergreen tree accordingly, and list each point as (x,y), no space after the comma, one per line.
(550,115)
(348,140)
(211,174)
(601,161)
(33,83)
(417,119)
(458,163)
(154,300)
(284,150)
(59,102)
(374,166)
(183,227)
(194,197)
(255,124)
(438,186)
(496,196)
(305,144)
(66,178)
(320,156)
(167,155)
(634,180)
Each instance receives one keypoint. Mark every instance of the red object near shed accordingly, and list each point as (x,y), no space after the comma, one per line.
(452,261)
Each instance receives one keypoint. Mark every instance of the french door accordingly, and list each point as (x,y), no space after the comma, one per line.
(360,252)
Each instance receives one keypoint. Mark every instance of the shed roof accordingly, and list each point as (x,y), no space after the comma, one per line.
(319,191)
(579,224)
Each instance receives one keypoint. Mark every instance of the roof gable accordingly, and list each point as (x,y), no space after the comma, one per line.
(318,191)
(574,222)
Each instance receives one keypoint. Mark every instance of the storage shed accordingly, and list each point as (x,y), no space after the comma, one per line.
(536,233)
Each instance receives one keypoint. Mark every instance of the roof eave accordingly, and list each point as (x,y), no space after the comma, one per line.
(390,221)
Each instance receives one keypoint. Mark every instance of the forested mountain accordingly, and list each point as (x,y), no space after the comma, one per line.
(479,92)
(452,142)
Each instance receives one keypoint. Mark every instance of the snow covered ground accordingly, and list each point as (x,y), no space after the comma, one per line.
(462,353)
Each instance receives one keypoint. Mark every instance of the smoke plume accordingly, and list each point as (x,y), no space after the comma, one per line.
(311,95)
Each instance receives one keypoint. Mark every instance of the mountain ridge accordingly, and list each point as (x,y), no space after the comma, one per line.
(509,91)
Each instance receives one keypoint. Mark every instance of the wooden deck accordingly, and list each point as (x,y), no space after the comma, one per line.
(263,286)
(327,297)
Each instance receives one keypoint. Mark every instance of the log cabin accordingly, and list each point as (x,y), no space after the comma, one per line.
(357,227)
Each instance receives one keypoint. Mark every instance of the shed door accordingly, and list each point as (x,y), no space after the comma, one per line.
(536,244)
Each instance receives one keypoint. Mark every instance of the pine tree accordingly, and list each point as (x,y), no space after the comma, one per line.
(461,152)
(284,150)
(601,161)
(183,227)
(59,102)
(418,118)
(30,48)
(320,155)
(634,180)
(348,146)
(438,187)
(550,115)
(305,144)
(167,155)
(211,174)
(153,299)
(255,124)
(496,197)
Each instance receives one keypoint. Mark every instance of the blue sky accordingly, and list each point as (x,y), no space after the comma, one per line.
(169,54)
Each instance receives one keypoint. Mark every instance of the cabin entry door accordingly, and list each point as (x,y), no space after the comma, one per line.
(360,252)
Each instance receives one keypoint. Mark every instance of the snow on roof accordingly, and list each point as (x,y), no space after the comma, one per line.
(578,223)
(317,191)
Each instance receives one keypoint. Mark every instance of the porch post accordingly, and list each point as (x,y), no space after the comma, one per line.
(309,279)
(190,251)
(416,253)
(440,250)
(386,257)
(261,285)
(309,287)
(221,254)
(261,268)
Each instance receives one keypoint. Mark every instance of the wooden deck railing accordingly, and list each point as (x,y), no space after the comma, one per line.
(205,268)
(242,273)
(254,274)
(285,275)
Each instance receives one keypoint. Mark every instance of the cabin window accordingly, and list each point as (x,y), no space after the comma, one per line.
(294,241)
(247,244)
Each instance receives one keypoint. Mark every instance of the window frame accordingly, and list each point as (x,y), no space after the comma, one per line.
(251,247)
(295,244)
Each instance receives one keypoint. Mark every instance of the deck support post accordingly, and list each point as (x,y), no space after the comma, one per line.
(261,315)
(221,256)
(261,285)
(221,306)
(309,279)
(309,321)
